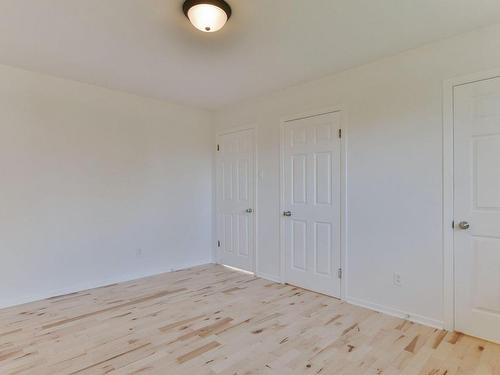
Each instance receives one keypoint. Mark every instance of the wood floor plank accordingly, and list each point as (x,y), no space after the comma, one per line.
(210,320)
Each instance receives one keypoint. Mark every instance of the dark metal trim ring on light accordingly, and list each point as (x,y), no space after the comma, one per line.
(188,4)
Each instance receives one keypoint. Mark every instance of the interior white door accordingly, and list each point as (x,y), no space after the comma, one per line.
(236,199)
(311,191)
(477,208)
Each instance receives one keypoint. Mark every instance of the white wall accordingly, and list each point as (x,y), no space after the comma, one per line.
(87,177)
(394,167)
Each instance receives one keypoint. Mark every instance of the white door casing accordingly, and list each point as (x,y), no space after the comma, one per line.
(235,199)
(312,195)
(477,203)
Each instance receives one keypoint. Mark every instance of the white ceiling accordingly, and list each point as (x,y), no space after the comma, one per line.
(148,47)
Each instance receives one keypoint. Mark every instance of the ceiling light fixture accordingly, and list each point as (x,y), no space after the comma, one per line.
(207,15)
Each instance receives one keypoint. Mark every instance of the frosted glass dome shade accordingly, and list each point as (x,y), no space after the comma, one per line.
(207,16)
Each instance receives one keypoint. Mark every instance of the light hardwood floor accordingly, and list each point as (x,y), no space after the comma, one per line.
(211,320)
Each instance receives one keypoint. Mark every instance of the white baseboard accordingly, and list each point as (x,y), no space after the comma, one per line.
(376,307)
(96,284)
(91,285)
(266,276)
(263,275)
(397,313)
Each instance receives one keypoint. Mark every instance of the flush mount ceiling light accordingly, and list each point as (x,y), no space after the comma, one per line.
(207,15)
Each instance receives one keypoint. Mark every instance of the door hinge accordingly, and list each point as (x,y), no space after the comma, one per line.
(218,243)
(453,224)
(218,148)
(340,133)
(339,273)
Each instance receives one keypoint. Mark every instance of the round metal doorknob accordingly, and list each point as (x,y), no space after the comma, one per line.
(249,210)
(287,213)
(464,225)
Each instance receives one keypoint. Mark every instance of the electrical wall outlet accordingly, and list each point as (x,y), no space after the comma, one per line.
(138,253)
(396,279)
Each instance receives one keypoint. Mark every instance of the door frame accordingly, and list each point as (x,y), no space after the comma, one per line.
(448,189)
(344,228)
(218,135)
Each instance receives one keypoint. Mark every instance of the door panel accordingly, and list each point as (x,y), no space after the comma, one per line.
(486,179)
(477,201)
(243,235)
(299,165)
(311,190)
(299,244)
(322,248)
(235,195)
(323,178)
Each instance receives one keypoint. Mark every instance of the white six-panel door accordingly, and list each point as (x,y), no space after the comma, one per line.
(477,208)
(235,199)
(311,197)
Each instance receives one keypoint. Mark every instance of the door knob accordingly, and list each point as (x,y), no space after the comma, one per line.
(249,210)
(287,213)
(464,225)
